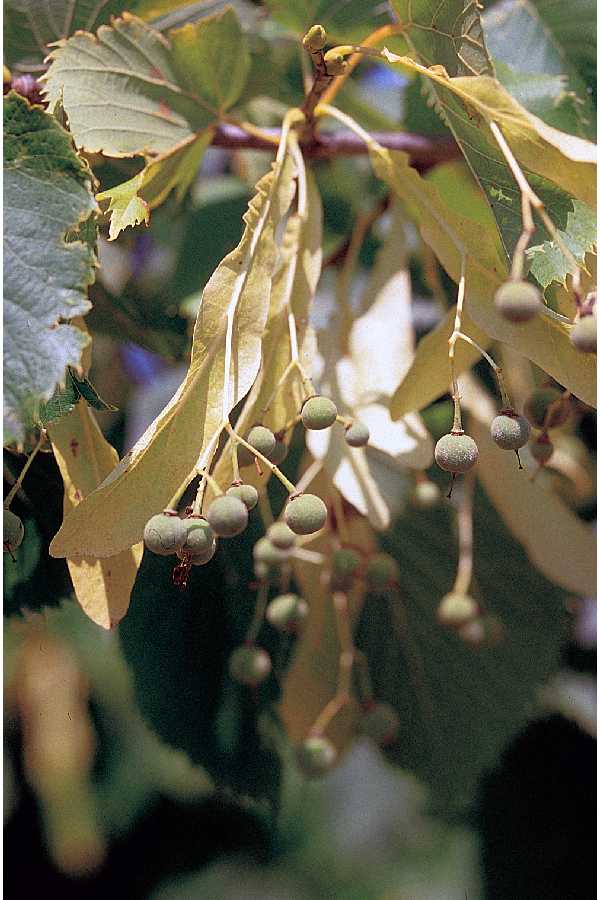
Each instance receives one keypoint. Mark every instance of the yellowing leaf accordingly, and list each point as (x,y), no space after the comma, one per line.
(429,374)
(131,201)
(543,340)
(557,542)
(183,437)
(84,457)
(293,289)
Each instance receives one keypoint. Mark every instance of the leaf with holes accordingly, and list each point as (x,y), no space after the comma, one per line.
(47,193)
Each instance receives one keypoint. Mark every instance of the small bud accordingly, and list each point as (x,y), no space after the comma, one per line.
(314,39)
(316,756)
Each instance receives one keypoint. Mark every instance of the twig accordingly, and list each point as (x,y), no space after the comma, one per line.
(346,663)
(10,496)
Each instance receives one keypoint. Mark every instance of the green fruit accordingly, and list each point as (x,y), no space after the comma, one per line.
(247,493)
(315,756)
(165,533)
(510,431)
(249,665)
(265,553)
(485,631)
(382,570)
(357,435)
(518,301)
(537,405)
(314,39)
(201,558)
(305,514)
(287,612)
(318,413)
(228,516)
(345,564)
(199,536)
(261,570)
(281,536)
(381,723)
(14,531)
(456,452)
(541,450)
(426,494)
(279,452)
(262,439)
(583,334)
(456,610)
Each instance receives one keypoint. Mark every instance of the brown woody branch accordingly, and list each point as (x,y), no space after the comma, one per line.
(424,152)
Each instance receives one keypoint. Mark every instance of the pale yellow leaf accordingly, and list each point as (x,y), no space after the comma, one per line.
(84,457)
(184,435)
(557,542)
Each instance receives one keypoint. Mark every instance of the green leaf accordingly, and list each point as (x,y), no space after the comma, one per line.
(558,166)
(457,703)
(47,192)
(29,26)
(547,261)
(540,36)
(211,58)
(348,21)
(64,399)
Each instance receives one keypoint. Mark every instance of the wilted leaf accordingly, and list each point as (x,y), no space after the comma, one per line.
(65,399)
(85,458)
(184,434)
(537,518)
(46,194)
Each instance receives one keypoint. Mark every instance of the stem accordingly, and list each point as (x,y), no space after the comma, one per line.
(464,572)
(309,475)
(324,109)
(346,662)
(259,613)
(174,501)
(198,499)
(16,486)
(457,424)
(497,369)
(532,200)
(374,38)
(267,462)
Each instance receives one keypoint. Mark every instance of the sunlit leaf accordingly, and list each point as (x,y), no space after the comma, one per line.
(112,518)
(47,193)
(547,261)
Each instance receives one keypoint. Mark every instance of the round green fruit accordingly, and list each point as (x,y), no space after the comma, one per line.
(426,494)
(456,610)
(382,571)
(510,431)
(287,613)
(228,516)
(316,756)
(357,435)
(14,531)
(199,536)
(518,301)
(541,450)
(265,553)
(281,536)
(247,493)
(318,413)
(456,452)
(262,439)
(249,665)
(305,514)
(201,558)
(381,723)
(165,533)
(539,402)
(279,452)
(345,564)
(583,334)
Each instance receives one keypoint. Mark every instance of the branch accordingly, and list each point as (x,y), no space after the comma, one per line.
(424,152)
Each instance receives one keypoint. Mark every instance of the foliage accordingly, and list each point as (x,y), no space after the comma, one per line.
(365,269)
